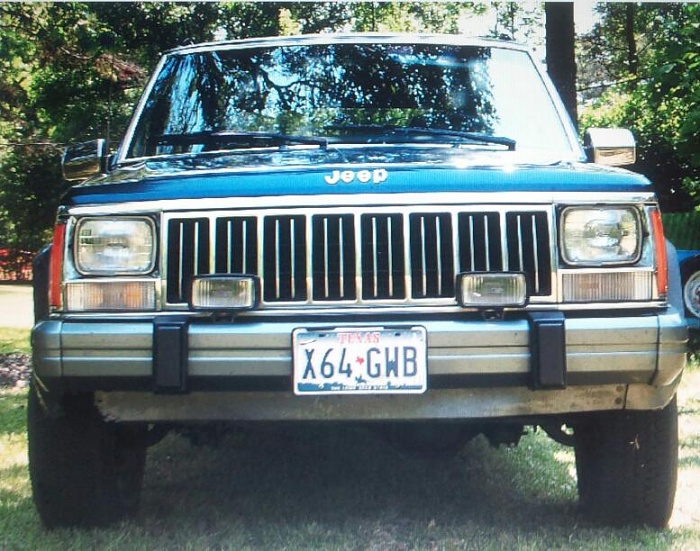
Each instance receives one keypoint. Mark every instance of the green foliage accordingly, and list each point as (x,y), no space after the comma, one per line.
(30,188)
(409,16)
(676,81)
(518,21)
(72,72)
(650,87)
(311,17)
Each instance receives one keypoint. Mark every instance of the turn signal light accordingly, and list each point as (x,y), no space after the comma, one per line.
(56,265)
(102,295)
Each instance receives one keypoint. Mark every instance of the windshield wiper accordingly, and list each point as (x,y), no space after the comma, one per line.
(395,130)
(239,138)
(470,136)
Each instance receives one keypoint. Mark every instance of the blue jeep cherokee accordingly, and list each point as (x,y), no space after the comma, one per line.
(387,229)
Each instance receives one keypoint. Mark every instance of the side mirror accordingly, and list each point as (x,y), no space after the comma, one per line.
(610,146)
(83,160)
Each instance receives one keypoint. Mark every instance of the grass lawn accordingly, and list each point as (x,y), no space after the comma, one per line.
(14,340)
(311,487)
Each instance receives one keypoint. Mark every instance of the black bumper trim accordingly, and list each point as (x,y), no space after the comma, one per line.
(170,354)
(547,350)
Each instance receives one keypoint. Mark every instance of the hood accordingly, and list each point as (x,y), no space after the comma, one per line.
(314,171)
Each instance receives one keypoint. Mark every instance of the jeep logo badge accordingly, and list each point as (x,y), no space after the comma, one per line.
(376,176)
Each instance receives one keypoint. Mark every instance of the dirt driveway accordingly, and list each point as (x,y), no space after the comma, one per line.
(16,305)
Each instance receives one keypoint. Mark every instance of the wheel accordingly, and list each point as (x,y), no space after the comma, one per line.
(627,466)
(84,471)
(690,275)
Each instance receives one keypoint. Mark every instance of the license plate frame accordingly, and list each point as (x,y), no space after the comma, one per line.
(360,360)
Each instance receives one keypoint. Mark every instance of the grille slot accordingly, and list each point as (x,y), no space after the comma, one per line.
(528,249)
(284,259)
(333,257)
(480,242)
(237,245)
(381,256)
(189,240)
(432,258)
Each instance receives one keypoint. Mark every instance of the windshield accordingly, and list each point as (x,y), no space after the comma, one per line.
(348,94)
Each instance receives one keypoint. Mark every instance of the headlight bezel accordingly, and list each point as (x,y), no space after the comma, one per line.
(143,268)
(631,258)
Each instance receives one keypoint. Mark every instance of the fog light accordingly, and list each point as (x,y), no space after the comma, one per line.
(224,293)
(101,295)
(492,290)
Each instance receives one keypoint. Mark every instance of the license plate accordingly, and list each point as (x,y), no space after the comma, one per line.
(376,360)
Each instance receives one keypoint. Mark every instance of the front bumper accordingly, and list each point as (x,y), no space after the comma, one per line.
(181,369)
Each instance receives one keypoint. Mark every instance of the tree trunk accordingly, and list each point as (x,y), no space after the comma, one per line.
(561,60)
(632,58)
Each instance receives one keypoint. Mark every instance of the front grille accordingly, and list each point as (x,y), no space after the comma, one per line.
(382,256)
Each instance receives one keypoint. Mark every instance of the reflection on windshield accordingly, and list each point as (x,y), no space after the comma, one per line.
(325,90)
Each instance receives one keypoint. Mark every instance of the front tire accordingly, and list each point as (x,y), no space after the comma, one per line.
(627,466)
(84,471)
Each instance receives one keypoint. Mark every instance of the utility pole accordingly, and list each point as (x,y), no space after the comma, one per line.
(560,52)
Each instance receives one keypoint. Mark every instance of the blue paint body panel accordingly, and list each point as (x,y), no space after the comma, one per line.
(302,173)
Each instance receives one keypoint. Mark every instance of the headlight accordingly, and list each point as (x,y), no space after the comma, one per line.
(595,236)
(115,246)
